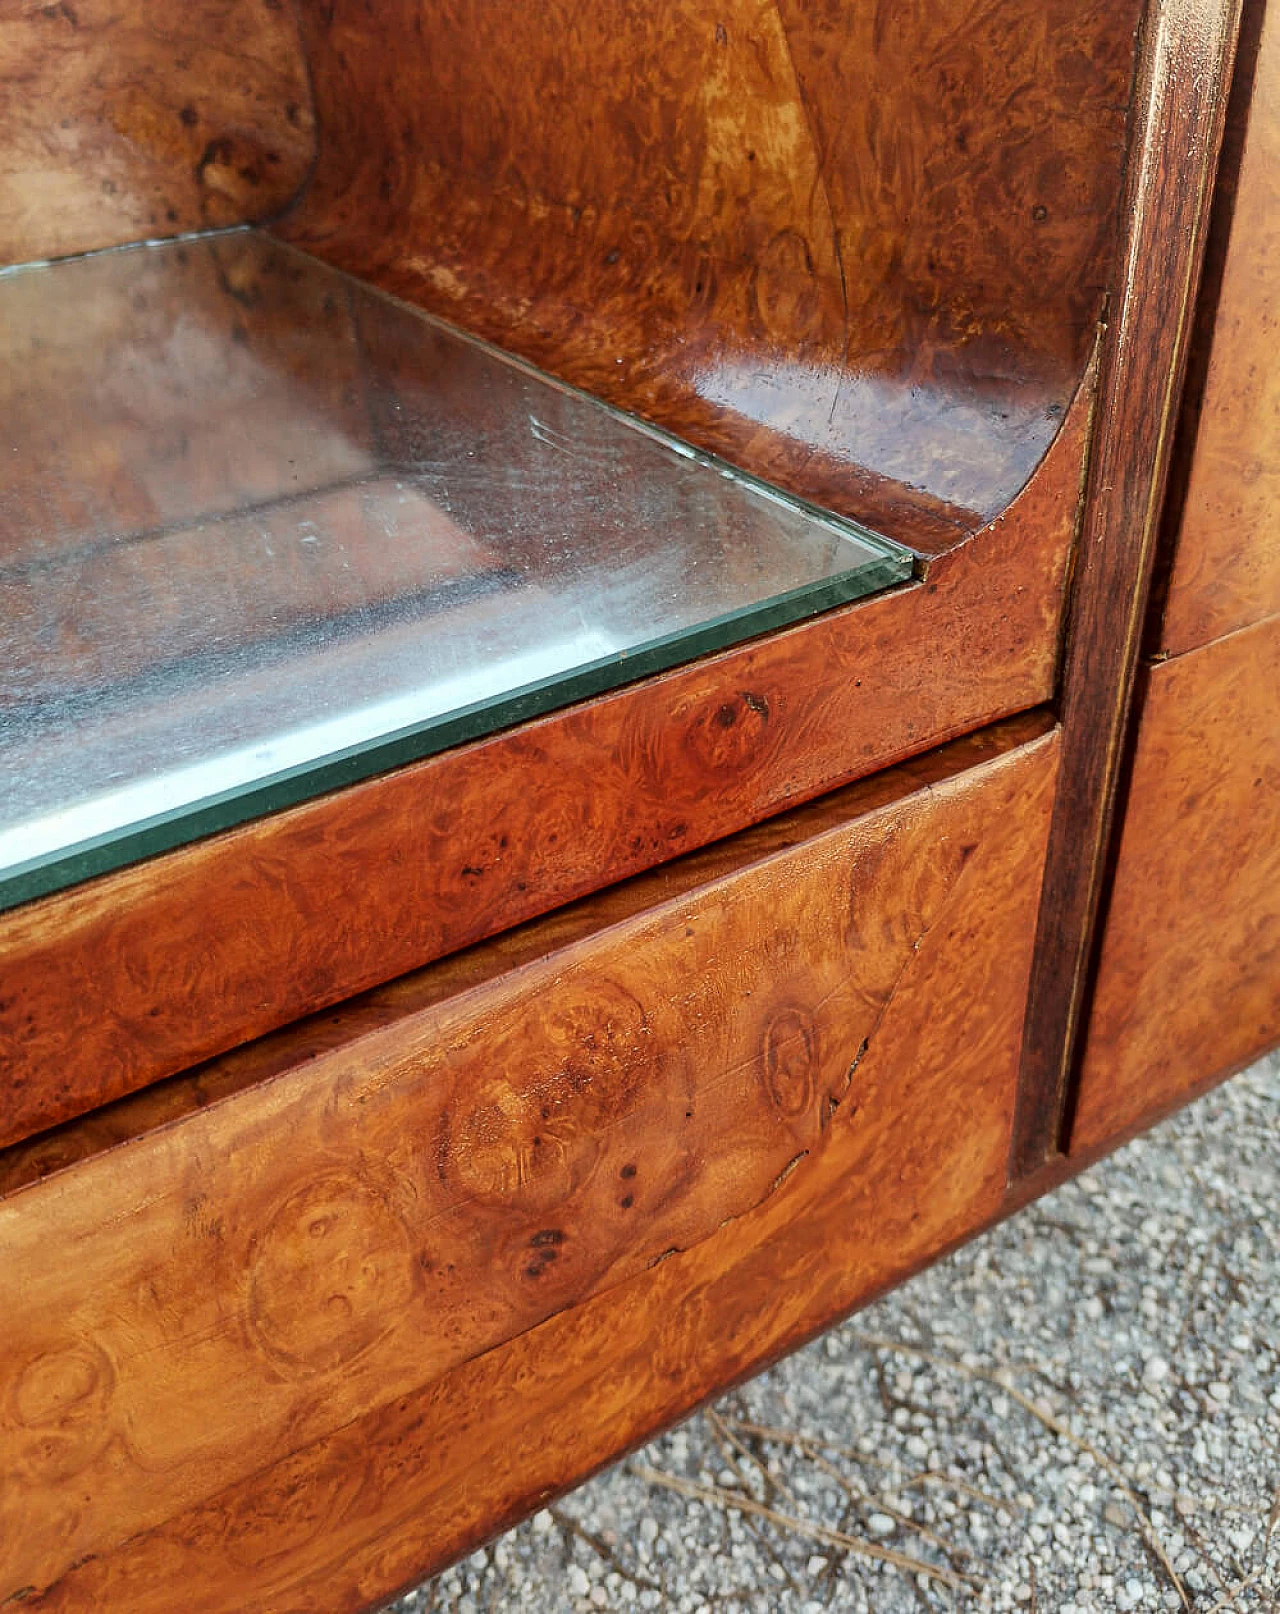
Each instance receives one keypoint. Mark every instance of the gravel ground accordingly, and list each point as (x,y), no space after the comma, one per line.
(1078,1411)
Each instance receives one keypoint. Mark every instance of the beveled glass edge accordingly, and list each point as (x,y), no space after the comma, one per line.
(843,526)
(182,238)
(117,849)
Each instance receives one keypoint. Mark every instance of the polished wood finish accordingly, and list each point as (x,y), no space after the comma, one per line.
(1183,79)
(795,234)
(1189,982)
(122,120)
(1226,566)
(138,974)
(293,1328)
(474,1234)
(793,249)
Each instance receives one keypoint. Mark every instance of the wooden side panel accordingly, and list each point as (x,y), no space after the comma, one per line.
(859,250)
(139,974)
(1189,982)
(122,120)
(1226,572)
(369,1301)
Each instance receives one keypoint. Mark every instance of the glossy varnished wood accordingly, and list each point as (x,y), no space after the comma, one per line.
(940,352)
(1226,565)
(794,234)
(1189,979)
(1183,84)
(480,1231)
(139,974)
(127,119)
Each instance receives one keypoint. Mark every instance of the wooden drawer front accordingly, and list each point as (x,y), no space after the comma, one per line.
(1189,985)
(1189,980)
(783,1069)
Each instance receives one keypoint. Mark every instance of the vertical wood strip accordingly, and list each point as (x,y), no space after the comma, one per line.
(1179,109)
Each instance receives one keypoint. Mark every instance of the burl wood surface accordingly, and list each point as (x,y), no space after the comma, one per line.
(907,197)
(1189,983)
(142,973)
(303,1344)
(1226,572)
(859,250)
(122,120)
(1183,83)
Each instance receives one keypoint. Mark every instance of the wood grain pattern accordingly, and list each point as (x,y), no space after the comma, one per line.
(142,973)
(676,1137)
(122,120)
(1226,569)
(138,975)
(1189,981)
(859,250)
(1183,83)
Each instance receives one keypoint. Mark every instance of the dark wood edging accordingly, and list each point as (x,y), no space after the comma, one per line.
(1240,105)
(1180,107)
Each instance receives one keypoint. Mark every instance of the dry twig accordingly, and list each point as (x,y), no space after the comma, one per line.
(925,1476)
(1056,1426)
(1229,1600)
(870,1502)
(728,1439)
(802,1527)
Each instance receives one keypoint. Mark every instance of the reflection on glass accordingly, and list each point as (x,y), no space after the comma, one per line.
(264,531)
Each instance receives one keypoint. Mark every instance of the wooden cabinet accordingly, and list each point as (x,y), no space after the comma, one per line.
(759,795)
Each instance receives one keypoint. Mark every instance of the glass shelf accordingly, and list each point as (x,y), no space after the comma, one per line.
(265,531)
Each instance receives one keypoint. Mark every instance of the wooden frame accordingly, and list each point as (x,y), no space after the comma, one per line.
(569,1104)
